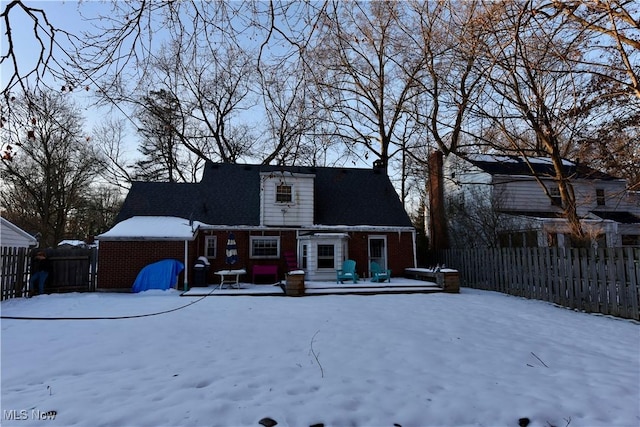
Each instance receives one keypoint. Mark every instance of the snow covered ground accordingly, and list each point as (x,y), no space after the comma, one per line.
(474,359)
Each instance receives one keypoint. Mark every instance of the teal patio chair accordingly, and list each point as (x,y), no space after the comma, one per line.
(379,274)
(347,272)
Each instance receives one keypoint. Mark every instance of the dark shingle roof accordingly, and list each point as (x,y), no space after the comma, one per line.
(621,217)
(229,194)
(516,165)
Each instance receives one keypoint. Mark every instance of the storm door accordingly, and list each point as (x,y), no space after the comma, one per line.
(378,250)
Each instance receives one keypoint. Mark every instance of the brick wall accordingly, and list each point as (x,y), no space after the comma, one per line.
(399,252)
(119,262)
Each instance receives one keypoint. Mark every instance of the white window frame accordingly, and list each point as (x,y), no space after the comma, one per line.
(213,239)
(333,245)
(556,198)
(385,250)
(253,239)
(282,184)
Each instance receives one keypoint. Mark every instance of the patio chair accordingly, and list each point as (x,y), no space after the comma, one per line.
(378,274)
(347,272)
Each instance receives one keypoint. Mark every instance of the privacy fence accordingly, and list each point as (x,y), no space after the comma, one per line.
(605,280)
(73,270)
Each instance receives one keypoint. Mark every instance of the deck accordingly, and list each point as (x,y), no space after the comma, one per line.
(398,285)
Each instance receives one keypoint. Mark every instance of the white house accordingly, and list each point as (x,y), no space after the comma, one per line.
(501,201)
(13,236)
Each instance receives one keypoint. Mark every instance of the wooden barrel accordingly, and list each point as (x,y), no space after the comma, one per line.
(295,285)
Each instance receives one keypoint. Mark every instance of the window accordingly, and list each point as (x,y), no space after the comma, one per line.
(600,197)
(504,240)
(631,240)
(517,240)
(305,256)
(283,194)
(531,239)
(554,193)
(265,247)
(210,246)
(326,258)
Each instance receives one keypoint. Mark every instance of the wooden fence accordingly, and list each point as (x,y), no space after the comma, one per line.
(14,267)
(73,270)
(606,280)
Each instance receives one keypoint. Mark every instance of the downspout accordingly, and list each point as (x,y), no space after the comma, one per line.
(186,266)
(415,255)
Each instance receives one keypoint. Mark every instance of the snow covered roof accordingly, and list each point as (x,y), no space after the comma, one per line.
(152,227)
(541,166)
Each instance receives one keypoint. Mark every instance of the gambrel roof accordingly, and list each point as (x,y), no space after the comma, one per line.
(229,194)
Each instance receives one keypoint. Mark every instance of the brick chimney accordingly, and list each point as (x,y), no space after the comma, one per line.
(437,221)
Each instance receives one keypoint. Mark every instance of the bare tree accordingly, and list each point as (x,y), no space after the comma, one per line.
(451,35)
(116,165)
(367,73)
(532,91)
(614,26)
(96,212)
(159,144)
(53,167)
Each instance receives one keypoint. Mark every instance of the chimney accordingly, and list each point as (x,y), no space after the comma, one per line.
(437,221)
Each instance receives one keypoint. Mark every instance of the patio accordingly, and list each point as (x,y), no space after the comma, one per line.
(398,285)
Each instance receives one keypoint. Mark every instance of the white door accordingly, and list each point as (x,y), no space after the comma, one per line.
(378,250)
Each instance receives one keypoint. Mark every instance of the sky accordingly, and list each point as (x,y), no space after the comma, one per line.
(66,15)
(477,358)
(63,15)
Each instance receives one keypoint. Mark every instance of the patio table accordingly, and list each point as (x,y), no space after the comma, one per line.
(230,277)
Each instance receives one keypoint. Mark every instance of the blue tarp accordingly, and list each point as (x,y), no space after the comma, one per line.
(159,275)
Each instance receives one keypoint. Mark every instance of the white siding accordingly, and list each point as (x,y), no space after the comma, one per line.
(13,236)
(339,241)
(525,194)
(521,194)
(298,212)
(465,184)
(474,191)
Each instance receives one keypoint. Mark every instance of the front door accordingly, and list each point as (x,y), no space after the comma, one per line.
(378,250)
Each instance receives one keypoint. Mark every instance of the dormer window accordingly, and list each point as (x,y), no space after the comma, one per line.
(283,193)
(600,196)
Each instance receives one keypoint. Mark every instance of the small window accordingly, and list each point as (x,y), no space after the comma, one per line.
(517,240)
(326,256)
(554,193)
(504,240)
(265,247)
(305,256)
(631,240)
(531,239)
(283,193)
(600,197)
(210,246)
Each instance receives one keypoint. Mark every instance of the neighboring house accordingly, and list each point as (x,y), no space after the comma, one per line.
(13,236)
(497,201)
(74,243)
(312,217)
